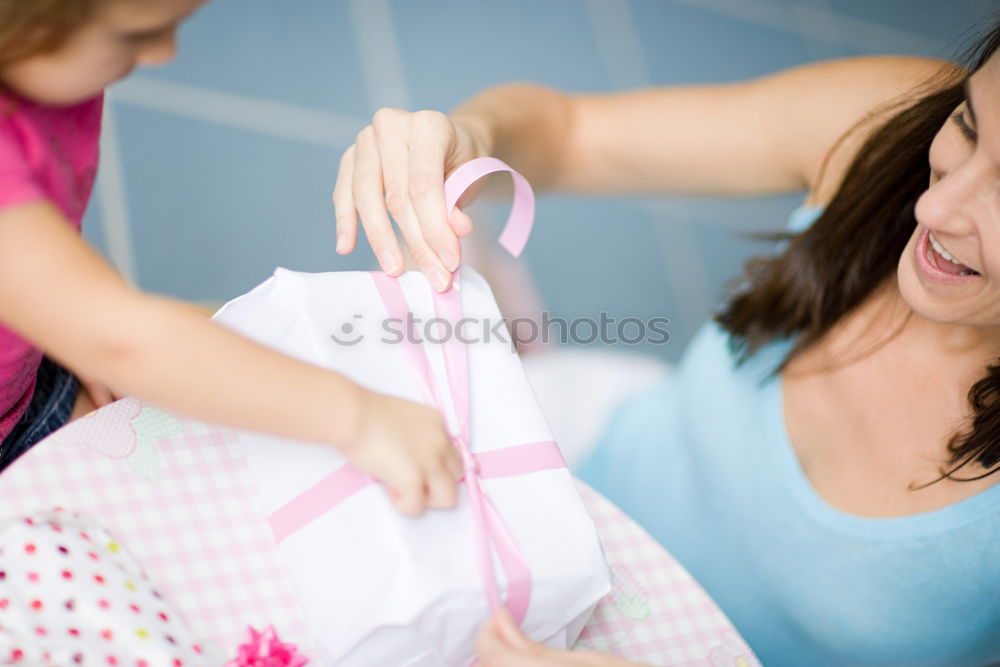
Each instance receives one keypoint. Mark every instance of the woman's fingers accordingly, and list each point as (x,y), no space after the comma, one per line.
(460,222)
(395,157)
(397,167)
(495,647)
(431,138)
(343,205)
(367,188)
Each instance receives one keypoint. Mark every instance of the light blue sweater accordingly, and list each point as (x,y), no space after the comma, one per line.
(704,463)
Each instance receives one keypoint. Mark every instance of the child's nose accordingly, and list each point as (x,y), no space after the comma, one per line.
(159,52)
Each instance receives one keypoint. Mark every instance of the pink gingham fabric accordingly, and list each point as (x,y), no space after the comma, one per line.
(656,613)
(178,494)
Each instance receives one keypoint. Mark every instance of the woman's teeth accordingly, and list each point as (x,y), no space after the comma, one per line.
(966,271)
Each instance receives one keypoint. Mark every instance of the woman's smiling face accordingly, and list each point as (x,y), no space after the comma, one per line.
(958,216)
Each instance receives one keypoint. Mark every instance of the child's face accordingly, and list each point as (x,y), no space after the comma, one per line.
(121,35)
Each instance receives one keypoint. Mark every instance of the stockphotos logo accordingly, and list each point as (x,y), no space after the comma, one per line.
(515,332)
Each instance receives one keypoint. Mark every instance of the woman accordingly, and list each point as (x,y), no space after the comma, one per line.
(822,459)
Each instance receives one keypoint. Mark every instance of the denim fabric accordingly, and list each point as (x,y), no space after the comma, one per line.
(51,405)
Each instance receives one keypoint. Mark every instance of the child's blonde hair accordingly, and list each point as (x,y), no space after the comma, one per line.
(32,27)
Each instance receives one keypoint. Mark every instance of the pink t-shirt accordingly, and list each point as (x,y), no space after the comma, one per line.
(45,153)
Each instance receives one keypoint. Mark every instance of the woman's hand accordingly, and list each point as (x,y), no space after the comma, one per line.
(502,644)
(405,446)
(398,164)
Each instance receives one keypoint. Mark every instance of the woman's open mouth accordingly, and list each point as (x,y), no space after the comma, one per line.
(938,263)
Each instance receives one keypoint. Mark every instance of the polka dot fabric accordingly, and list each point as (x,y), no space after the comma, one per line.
(70,594)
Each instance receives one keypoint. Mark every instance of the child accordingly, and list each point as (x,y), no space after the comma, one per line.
(59,299)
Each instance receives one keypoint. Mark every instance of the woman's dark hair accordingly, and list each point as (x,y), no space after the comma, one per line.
(853,249)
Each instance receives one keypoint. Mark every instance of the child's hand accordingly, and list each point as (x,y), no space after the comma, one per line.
(399,163)
(92,396)
(502,644)
(405,446)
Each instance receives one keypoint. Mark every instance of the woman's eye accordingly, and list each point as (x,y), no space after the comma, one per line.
(963,126)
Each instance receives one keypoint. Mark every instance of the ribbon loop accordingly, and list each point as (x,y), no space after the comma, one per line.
(522,213)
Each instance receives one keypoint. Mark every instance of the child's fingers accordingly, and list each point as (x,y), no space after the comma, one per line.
(408,496)
(99,393)
(367,190)
(452,462)
(431,138)
(441,491)
(343,205)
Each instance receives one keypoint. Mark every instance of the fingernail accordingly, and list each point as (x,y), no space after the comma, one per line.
(448,259)
(389,261)
(341,242)
(437,278)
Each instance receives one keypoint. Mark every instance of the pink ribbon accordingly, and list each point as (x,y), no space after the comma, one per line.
(490,531)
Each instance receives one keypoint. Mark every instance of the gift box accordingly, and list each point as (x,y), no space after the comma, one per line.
(379,588)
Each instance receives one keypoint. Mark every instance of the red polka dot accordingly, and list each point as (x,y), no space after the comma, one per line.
(134,607)
(63,550)
(78,658)
(16,654)
(92,555)
(73,632)
(28,520)
(56,527)
(4,603)
(40,631)
(36,605)
(98,578)
(104,604)
(141,663)
(177,662)
(112,660)
(3,575)
(197,648)
(30,548)
(107,634)
(84,535)
(70,604)
(66,574)
(33,577)
(171,639)
(162,615)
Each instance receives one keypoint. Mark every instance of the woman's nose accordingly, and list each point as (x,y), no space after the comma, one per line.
(948,200)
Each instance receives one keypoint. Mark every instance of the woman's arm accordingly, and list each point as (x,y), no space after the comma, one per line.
(761,136)
(753,137)
(60,295)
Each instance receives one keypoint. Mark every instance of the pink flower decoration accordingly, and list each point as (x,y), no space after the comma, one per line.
(264,649)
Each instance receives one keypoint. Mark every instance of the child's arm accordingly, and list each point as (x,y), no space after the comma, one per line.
(61,295)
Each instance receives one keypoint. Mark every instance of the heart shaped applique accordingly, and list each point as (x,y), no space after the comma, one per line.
(108,430)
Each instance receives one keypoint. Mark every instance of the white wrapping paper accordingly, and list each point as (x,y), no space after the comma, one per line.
(378,588)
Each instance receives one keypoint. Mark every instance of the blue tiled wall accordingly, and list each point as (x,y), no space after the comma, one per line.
(221,163)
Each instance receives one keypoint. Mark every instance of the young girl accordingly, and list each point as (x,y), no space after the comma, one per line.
(65,313)
(822,460)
